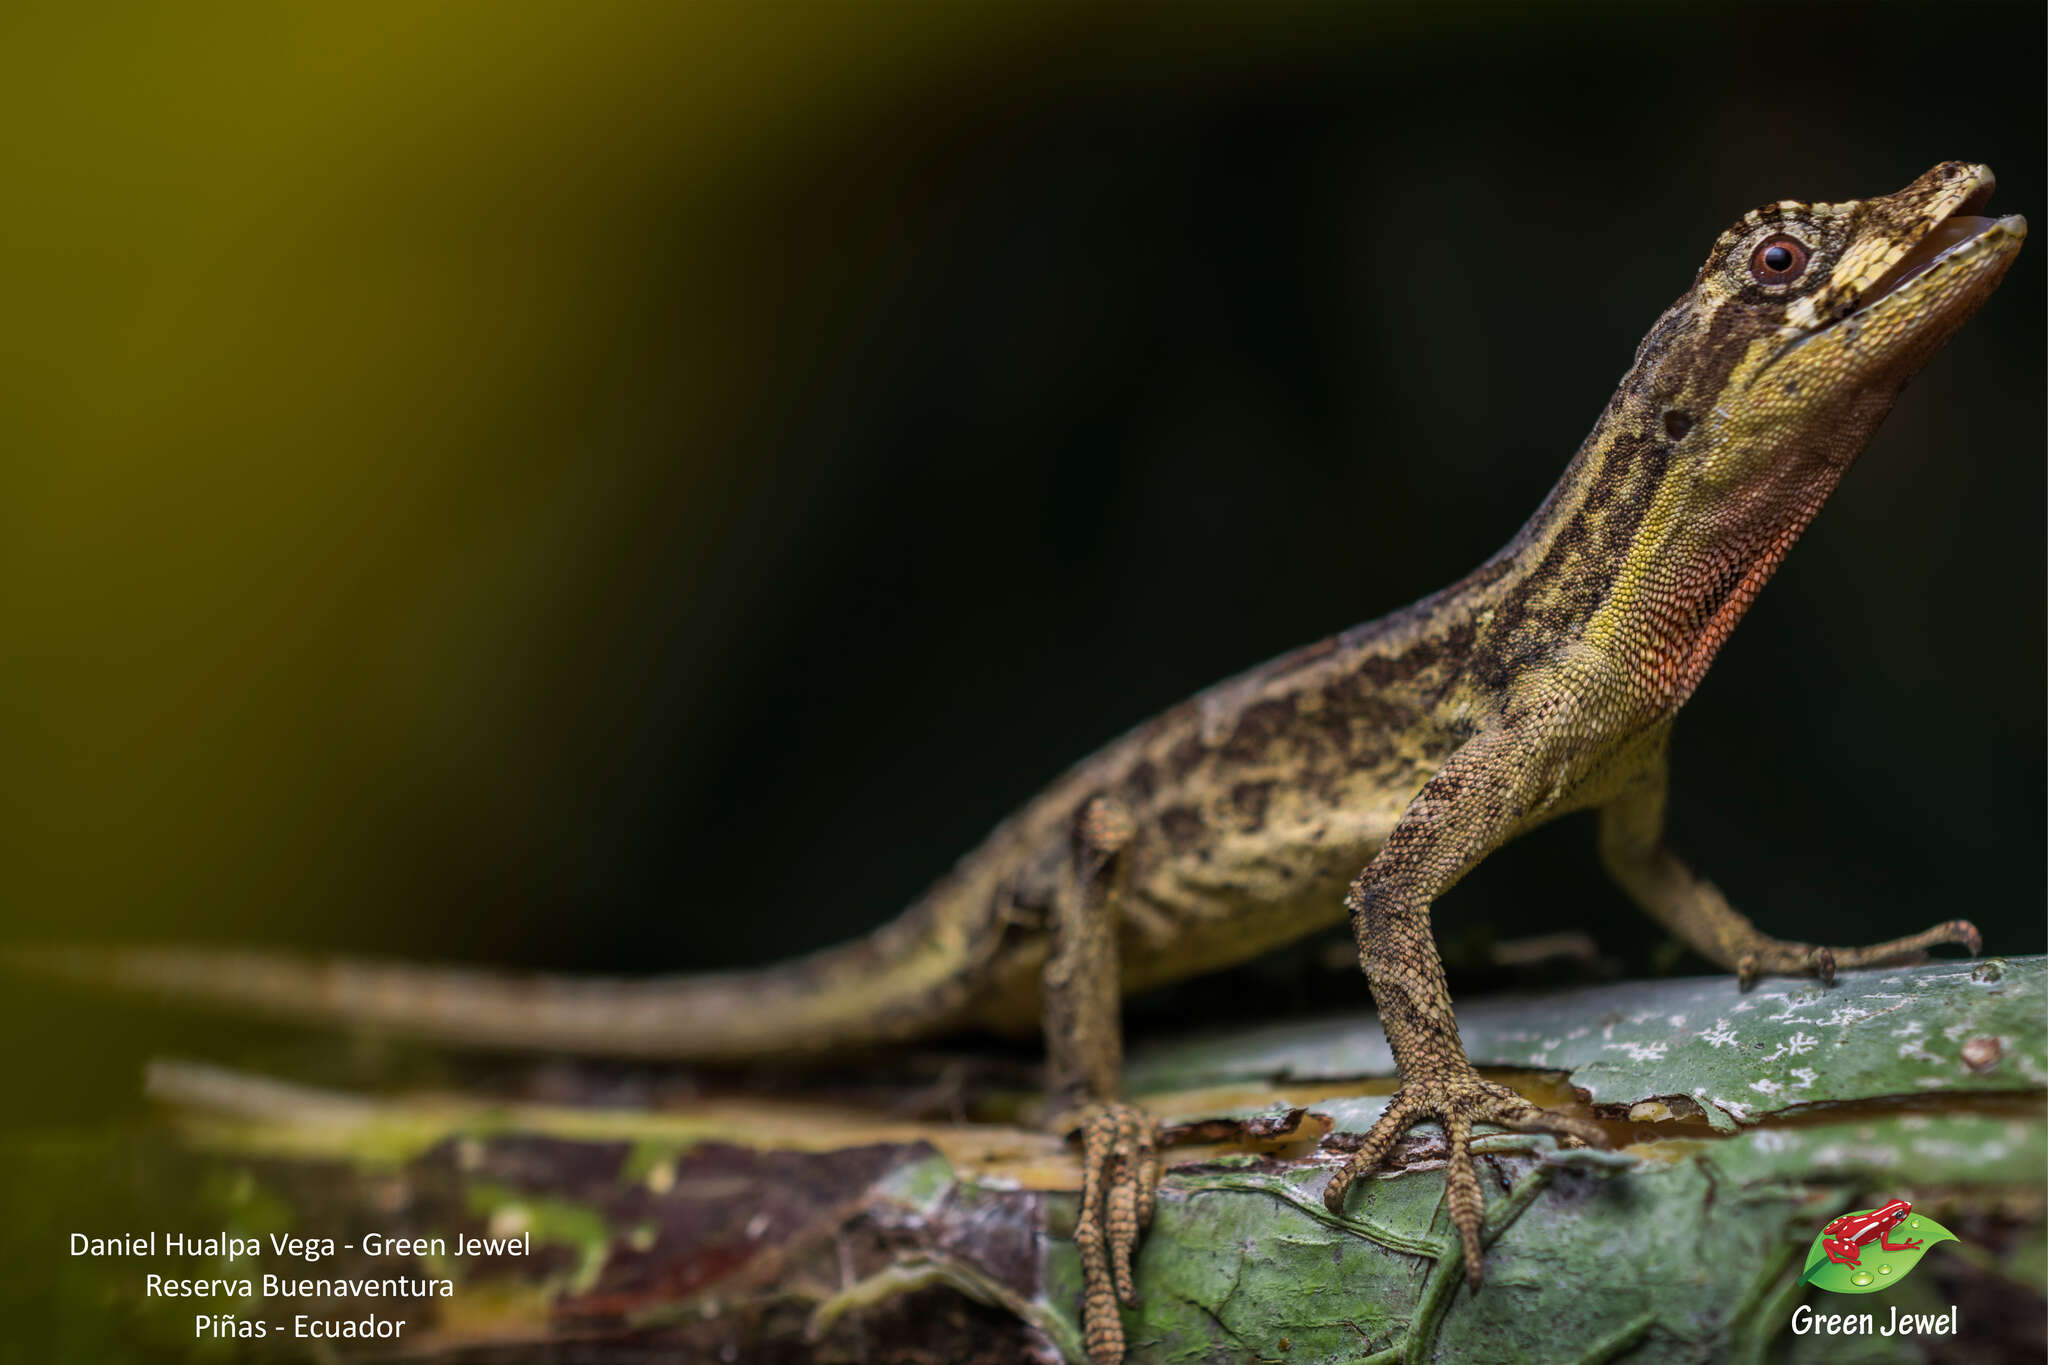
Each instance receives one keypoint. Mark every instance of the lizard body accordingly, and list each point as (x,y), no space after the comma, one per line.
(1544,682)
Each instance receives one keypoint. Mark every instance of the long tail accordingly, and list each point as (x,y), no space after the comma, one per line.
(897,984)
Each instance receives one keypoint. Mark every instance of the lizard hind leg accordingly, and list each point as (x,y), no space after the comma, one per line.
(1119,1175)
(1084,1062)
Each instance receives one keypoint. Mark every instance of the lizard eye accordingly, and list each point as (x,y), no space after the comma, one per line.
(1778,260)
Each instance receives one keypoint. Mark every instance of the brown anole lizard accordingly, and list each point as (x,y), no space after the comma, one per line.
(1545,682)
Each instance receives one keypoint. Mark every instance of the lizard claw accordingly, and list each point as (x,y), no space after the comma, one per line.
(1119,1176)
(1457,1102)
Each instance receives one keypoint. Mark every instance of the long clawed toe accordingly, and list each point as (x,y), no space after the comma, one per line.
(1774,957)
(1457,1104)
(1379,1140)
(1119,1182)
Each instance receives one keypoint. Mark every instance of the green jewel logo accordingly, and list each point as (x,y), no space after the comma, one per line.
(1871,1249)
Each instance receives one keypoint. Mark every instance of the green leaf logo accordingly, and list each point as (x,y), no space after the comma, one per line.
(1875,1268)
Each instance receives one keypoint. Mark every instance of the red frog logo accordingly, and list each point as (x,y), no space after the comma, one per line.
(1845,1238)
(1855,1254)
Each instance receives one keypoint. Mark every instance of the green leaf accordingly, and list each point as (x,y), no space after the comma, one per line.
(1739,1056)
(1877,1268)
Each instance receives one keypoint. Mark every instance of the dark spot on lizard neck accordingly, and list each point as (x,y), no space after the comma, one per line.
(1258,726)
(1249,800)
(1183,826)
(1143,781)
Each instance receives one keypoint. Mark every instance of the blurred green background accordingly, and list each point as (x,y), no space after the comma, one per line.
(645,487)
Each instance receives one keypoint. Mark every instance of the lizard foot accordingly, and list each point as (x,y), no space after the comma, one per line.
(1119,1177)
(1775,957)
(1457,1101)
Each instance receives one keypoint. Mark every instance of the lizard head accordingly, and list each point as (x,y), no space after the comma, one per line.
(1757,389)
(1807,320)
(1747,401)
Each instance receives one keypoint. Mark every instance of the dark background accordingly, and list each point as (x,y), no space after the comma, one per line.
(646,489)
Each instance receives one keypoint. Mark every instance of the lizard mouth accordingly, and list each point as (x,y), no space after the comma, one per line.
(1935,283)
(1961,234)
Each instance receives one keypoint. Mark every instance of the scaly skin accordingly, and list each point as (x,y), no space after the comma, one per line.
(1543,683)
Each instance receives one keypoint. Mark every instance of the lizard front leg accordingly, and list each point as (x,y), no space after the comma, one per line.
(1463,812)
(1632,846)
(1084,1060)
